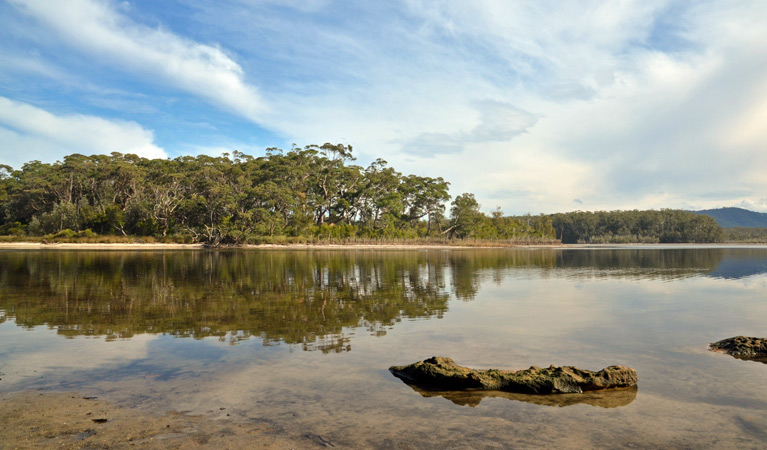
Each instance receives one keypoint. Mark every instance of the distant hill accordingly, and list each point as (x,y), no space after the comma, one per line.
(736,217)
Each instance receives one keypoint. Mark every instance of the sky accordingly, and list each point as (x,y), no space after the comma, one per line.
(534,106)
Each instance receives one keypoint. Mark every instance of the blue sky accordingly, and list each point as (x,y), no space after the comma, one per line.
(534,106)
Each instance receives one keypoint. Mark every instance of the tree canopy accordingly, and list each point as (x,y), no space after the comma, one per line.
(663,226)
(315,192)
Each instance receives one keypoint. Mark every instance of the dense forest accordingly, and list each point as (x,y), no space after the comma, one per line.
(751,235)
(664,226)
(309,194)
(306,194)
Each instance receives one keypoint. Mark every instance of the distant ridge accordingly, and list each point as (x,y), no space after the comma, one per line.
(736,217)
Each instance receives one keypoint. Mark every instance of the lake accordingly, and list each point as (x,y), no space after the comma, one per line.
(302,340)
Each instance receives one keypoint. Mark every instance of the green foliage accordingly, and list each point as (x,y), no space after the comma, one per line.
(63,216)
(13,229)
(664,226)
(754,235)
(468,222)
(310,193)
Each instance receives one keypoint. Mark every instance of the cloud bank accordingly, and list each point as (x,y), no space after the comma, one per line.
(28,132)
(533,107)
(97,28)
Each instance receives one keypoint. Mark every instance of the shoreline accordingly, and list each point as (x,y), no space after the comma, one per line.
(172,246)
(415,246)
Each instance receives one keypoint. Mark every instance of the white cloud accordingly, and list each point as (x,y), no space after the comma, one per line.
(28,132)
(203,70)
(498,122)
(630,104)
(759,205)
(306,6)
(28,64)
(620,124)
(670,133)
(529,107)
(565,50)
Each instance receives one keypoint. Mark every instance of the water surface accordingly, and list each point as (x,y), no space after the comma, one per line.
(302,340)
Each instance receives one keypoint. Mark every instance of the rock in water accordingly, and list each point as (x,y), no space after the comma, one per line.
(442,373)
(742,347)
(606,398)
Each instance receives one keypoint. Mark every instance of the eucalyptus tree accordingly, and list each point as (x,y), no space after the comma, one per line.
(307,191)
(290,195)
(30,191)
(423,197)
(465,217)
(327,164)
(5,187)
(666,226)
(380,198)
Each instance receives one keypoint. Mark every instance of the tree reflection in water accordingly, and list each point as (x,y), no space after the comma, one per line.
(307,298)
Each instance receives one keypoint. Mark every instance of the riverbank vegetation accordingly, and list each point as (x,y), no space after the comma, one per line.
(313,194)
(748,235)
(310,195)
(624,227)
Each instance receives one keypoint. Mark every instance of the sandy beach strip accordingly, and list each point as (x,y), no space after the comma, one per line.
(171,246)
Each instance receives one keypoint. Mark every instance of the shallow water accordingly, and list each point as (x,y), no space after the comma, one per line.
(301,340)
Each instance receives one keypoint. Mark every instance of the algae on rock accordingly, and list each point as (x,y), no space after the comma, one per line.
(743,347)
(443,373)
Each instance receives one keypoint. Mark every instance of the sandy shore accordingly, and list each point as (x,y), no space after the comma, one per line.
(155,246)
(419,246)
(69,420)
(88,246)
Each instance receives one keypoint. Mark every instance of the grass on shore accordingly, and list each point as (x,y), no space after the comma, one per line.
(95,239)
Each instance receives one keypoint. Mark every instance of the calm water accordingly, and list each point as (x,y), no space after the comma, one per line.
(302,340)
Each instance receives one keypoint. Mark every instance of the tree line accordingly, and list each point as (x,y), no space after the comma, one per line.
(309,193)
(652,226)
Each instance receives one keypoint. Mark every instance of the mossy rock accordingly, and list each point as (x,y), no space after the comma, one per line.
(443,373)
(743,347)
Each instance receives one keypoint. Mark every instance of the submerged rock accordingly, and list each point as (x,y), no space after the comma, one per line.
(742,347)
(605,398)
(442,373)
